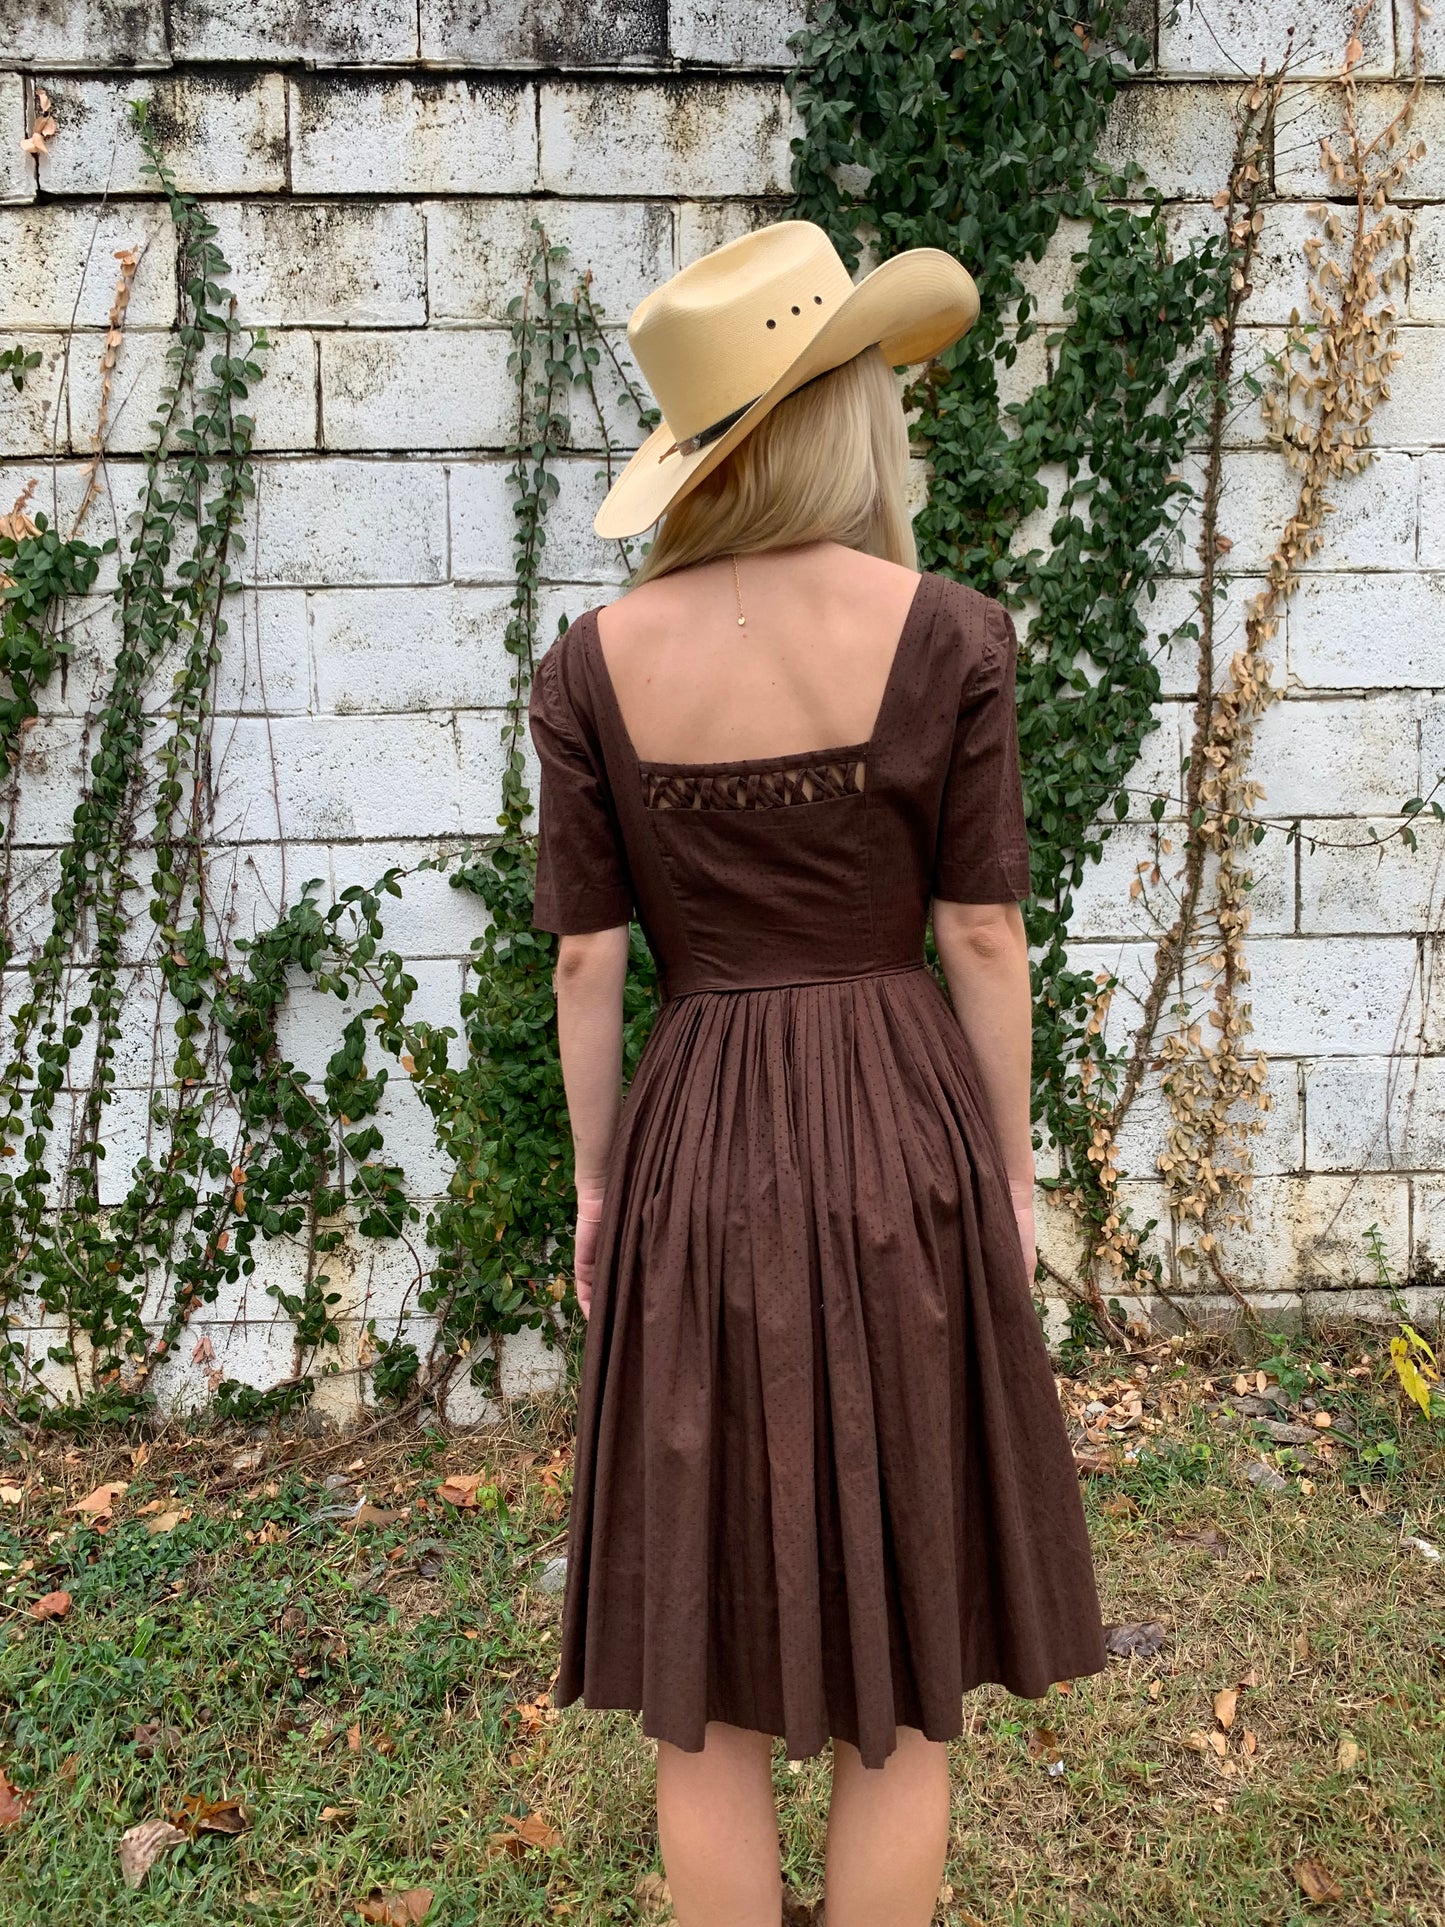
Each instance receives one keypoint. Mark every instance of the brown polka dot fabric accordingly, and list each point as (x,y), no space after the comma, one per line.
(822,1483)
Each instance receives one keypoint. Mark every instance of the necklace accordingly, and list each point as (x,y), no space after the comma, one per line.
(737,589)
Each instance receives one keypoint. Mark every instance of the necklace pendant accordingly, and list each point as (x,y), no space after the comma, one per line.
(741,621)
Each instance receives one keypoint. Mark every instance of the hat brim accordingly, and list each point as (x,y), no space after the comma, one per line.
(912,307)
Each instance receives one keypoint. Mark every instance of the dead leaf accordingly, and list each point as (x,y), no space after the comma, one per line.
(532,1830)
(12,1802)
(168,1521)
(212,1816)
(371,1515)
(100,1503)
(1225,1702)
(1347,1755)
(151,1740)
(402,1909)
(1251,1743)
(11,1494)
(1137,1639)
(652,1894)
(141,1846)
(329,1815)
(460,1489)
(1121,1508)
(1208,1539)
(55,1605)
(1315,1883)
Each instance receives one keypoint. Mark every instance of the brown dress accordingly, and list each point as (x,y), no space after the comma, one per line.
(822,1483)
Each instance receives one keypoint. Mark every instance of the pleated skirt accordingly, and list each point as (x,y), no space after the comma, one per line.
(822,1485)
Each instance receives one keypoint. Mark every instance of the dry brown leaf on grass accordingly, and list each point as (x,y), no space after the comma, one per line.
(1225,1702)
(212,1816)
(55,1605)
(402,1909)
(653,1895)
(100,1503)
(373,1515)
(12,1802)
(531,1830)
(1347,1754)
(141,1846)
(168,1520)
(460,1489)
(1135,1639)
(11,1494)
(1208,1538)
(1315,1883)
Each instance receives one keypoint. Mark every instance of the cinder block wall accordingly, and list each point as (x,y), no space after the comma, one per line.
(372,174)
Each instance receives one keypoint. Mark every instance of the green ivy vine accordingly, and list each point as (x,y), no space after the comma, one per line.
(976,129)
(250,1149)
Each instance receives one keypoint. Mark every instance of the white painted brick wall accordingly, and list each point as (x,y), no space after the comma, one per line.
(373,175)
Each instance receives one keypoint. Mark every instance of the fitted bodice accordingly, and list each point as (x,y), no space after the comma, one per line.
(789,869)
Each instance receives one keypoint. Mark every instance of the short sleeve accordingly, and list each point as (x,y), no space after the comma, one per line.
(982,853)
(582,876)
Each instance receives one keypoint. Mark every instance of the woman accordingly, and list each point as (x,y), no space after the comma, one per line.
(822,1484)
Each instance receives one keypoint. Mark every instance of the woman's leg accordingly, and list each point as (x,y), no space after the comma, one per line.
(719,1830)
(887,1835)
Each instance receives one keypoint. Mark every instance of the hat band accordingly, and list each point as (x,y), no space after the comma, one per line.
(692,443)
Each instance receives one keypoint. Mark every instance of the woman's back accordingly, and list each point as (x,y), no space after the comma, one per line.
(780,809)
(806,671)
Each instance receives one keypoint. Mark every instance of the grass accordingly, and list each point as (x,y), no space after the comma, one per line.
(374,1693)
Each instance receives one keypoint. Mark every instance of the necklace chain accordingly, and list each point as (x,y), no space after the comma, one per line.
(737,589)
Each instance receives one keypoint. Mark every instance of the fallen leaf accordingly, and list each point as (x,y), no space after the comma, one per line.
(372,1515)
(55,1605)
(328,1815)
(1156,1687)
(402,1909)
(1251,1743)
(1224,1705)
(101,1501)
(11,1494)
(151,1740)
(12,1802)
(532,1830)
(1197,1741)
(141,1846)
(1208,1539)
(168,1520)
(1139,1639)
(1347,1755)
(460,1489)
(1315,1883)
(1121,1508)
(1218,1743)
(652,1894)
(212,1816)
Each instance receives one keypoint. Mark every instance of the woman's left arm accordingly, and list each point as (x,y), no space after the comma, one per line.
(590,976)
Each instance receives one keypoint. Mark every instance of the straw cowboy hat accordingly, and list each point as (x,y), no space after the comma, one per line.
(731,334)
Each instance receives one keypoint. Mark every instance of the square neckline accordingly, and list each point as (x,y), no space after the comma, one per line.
(747,764)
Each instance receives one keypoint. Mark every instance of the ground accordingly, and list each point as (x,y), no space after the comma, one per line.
(339,1711)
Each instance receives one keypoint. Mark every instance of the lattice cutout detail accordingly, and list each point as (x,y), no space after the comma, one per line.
(753,789)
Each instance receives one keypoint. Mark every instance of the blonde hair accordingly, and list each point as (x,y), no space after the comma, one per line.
(827,464)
